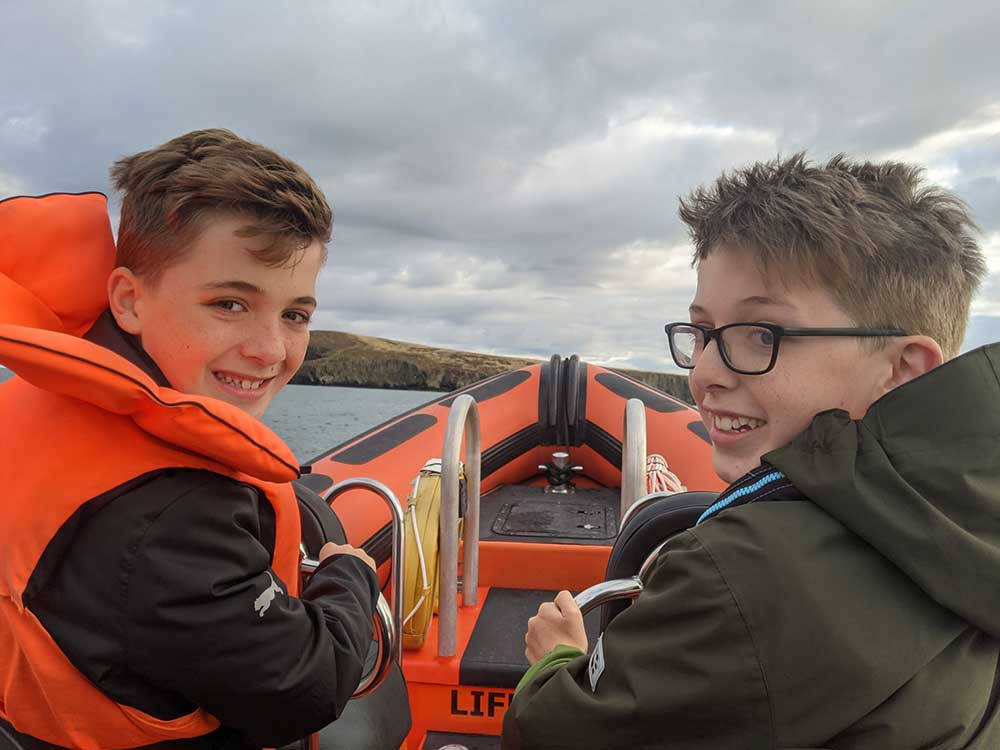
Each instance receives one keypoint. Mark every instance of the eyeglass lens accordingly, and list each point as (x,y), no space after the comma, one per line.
(745,347)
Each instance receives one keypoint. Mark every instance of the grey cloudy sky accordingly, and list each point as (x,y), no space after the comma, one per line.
(504,175)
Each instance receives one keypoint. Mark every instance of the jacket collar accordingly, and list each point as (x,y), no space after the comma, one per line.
(918,478)
(107,333)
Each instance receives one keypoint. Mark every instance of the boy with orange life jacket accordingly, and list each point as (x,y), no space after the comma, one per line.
(842,592)
(149,536)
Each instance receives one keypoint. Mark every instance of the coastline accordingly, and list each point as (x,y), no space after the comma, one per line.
(336,358)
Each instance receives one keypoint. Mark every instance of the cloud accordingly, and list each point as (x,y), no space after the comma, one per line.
(9,185)
(983,196)
(983,329)
(505,175)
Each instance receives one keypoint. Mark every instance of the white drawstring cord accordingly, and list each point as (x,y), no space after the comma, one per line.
(411,508)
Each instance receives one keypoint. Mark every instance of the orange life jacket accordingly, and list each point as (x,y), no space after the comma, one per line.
(79,421)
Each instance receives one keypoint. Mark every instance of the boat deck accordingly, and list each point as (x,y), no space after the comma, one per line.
(533,543)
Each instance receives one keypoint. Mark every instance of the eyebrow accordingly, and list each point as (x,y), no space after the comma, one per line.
(248,288)
(747,301)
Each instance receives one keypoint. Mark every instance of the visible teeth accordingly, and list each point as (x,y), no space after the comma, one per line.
(737,424)
(246,385)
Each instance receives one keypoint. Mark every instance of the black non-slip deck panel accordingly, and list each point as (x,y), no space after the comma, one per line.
(316,482)
(495,654)
(437,740)
(698,428)
(652,399)
(382,442)
(515,502)
(491,388)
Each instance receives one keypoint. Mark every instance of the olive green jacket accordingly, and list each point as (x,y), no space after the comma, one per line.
(866,617)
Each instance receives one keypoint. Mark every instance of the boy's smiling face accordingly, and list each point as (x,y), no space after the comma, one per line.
(219,322)
(810,376)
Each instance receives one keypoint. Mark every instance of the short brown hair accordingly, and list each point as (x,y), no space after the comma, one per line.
(171,189)
(893,252)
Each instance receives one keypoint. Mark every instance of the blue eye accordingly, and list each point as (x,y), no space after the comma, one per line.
(763,337)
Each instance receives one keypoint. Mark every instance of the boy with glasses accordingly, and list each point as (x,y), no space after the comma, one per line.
(842,592)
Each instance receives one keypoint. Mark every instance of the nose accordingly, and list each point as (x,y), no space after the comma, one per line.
(264,343)
(710,371)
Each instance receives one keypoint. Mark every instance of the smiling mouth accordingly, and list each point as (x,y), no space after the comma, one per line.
(242,384)
(736,424)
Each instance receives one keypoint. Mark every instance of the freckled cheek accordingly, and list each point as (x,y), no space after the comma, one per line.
(295,352)
(767,401)
(211,351)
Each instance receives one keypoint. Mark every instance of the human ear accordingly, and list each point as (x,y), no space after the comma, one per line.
(912,357)
(125,289)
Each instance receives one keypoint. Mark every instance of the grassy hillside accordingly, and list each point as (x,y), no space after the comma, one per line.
(337,358)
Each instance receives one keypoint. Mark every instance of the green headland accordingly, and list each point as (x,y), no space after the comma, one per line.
(347,359)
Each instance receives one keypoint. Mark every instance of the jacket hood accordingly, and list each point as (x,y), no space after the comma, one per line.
(918,478)
(56,253)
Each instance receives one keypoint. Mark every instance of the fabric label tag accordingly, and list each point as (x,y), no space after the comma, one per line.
(596,668)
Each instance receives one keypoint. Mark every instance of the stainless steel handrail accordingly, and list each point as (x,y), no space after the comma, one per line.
(633,454)
(608,591)
(618,588)
(387,636)
(463,420)
(388,620)
(650,561)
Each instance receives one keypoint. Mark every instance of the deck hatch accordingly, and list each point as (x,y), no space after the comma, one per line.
(549,518)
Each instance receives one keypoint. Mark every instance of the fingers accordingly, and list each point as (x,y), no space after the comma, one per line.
(558,622)
(366,559)
(566,603)
(330,548)
(549,611)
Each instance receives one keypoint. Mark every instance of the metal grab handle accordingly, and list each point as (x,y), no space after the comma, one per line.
(388,621)
(463,419)
(608,591)
(633,454)
(387,638)
(617,588)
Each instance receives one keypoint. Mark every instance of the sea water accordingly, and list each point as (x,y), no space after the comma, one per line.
(311,419)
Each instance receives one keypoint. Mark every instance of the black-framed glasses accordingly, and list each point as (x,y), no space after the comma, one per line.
(748,348)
